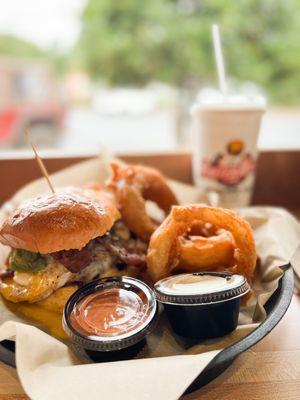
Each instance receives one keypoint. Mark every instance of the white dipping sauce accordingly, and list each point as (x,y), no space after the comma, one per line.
(191,284)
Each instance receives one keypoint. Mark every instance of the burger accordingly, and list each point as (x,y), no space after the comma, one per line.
(74,235)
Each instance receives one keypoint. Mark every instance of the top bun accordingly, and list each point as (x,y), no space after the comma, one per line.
(66,220)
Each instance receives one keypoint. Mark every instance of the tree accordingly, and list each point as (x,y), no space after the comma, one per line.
(130,42)
(13,46)
(134,42)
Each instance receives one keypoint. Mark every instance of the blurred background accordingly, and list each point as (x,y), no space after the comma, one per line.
(83,74)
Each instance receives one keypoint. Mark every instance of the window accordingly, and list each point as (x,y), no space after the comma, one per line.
(87,74)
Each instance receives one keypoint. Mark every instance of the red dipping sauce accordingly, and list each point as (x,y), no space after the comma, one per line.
(110,312)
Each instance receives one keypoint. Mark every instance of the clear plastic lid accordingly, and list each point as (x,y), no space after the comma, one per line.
(200,288)
(209,99)
(110,313)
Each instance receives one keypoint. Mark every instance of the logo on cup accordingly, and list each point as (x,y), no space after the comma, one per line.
(235,147)
(230,168)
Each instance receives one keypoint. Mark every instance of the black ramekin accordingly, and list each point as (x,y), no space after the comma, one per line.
(115,348)
(207,314)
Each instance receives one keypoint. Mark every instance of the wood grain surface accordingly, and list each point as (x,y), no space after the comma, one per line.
(268,371)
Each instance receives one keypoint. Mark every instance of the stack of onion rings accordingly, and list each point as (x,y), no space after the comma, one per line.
(132,186)
(232,246)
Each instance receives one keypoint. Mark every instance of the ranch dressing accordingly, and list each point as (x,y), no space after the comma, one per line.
(193,284)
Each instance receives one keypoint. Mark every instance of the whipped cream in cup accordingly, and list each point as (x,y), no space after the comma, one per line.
(225,135)
(202,305)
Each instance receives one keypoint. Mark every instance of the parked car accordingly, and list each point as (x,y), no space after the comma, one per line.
(28,98)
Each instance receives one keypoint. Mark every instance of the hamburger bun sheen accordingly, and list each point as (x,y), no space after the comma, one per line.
(66,220)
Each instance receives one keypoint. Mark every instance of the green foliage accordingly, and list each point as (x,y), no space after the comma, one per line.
(12,46)
(134,42)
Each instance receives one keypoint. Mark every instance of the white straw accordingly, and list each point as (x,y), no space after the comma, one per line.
(219,58)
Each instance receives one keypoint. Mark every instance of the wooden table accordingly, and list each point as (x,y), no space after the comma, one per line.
(271,369)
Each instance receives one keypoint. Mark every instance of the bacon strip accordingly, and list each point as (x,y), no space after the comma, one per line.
(138,260)
(6,274)
(74,260)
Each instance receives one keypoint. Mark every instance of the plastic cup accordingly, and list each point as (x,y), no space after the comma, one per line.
(225,150)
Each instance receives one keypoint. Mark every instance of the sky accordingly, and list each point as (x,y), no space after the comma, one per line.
(47,23)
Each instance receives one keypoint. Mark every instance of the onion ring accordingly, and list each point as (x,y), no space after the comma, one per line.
(132,185)
(206,253)
(164,250)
